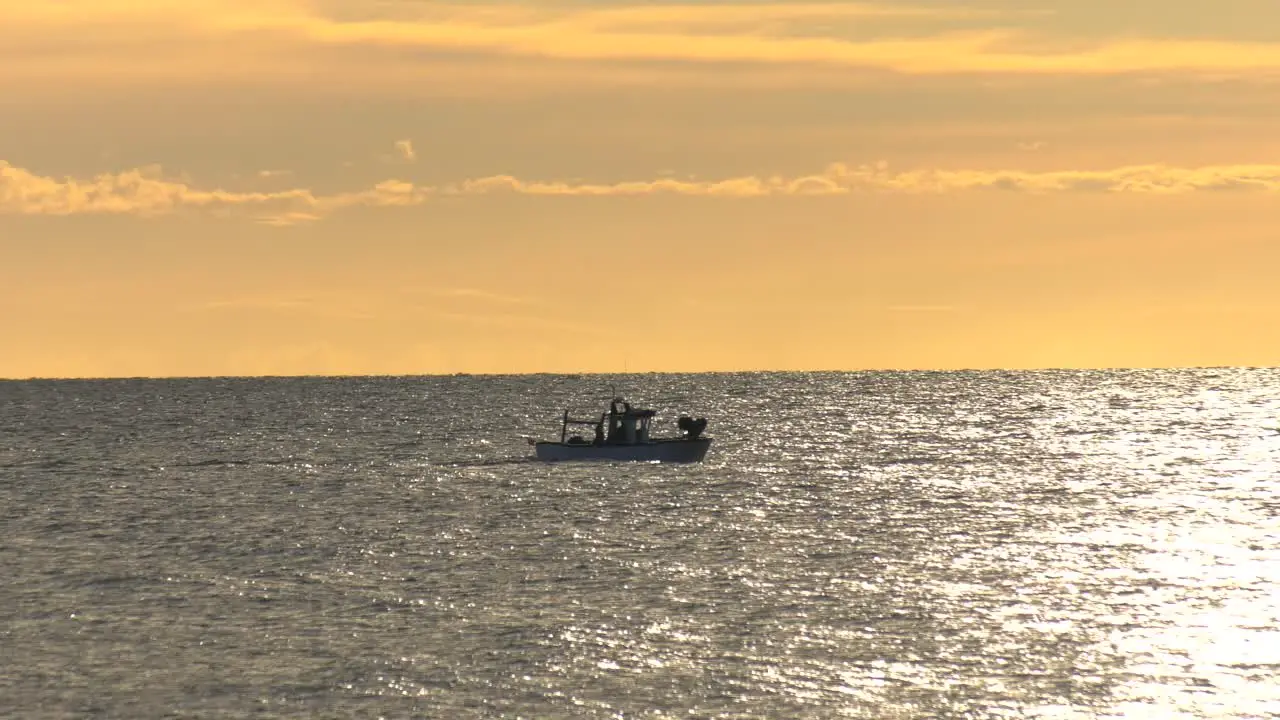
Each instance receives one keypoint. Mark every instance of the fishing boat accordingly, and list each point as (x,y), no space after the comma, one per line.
(622,433)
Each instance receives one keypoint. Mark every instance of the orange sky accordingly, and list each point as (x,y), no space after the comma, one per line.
(213,187)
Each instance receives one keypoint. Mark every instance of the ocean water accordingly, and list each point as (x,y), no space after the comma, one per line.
(865,545)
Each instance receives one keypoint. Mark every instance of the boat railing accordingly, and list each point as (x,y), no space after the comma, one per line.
(564,431)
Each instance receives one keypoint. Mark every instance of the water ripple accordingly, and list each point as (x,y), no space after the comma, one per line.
(879,545)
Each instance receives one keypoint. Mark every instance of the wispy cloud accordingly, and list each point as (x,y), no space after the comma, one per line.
(292,37)
(147,192)
(474,294)
(302,306)
(404,150)
(520,321)
(923,308)
(841,179)
(141,191)
(287,218)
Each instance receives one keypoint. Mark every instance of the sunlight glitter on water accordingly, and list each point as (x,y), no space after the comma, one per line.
(1191,571)
(875,545)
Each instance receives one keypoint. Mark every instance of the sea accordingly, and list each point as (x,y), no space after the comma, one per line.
(1049,544)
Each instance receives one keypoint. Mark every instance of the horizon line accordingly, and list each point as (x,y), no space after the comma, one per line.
(562,373)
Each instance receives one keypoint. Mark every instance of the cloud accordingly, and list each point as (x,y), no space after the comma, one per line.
(532,323)
(840,179)
(303,306)
(147,192)
(475,294)
(141,191)
(404,148)
(173,39)
(285,219)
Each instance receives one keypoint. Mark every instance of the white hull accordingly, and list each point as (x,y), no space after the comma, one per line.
(676,451)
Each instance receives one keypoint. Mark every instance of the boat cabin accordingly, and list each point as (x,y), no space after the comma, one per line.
(622,425)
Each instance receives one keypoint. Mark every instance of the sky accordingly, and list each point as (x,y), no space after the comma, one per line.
(289,187)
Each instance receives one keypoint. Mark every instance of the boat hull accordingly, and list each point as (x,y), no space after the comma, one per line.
(673,451)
